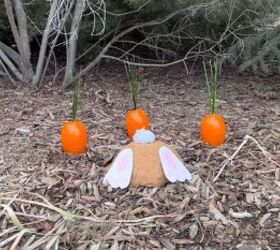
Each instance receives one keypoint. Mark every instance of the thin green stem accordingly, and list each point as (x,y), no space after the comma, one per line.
(75,100)
(212,82)
(134,82)
(134,98)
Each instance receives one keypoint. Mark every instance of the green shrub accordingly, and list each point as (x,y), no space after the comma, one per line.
(243,21)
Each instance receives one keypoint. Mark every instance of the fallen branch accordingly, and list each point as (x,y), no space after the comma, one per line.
(44,44)
(227,161)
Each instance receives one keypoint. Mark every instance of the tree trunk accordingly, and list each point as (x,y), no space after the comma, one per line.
(19,30)
(16,58)
(5,59)
(44,45)
(72,48)
(22,28)
(54,42)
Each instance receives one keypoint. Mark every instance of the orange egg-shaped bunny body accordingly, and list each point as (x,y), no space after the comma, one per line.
(213,130)
(74,137)
(147,170)
(147,167)
(136,119)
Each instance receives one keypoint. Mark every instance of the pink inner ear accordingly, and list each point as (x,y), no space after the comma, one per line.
(170,160)
(122,164)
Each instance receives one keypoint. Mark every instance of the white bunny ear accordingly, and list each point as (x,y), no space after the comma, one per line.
(120,172)
(174,170)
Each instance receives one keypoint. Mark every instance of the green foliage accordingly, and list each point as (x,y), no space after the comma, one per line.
(198,28)
(259,50)
(36,12)
(259,53)
(133,77)
(154,8)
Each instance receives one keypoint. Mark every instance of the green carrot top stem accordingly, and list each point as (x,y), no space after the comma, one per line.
(75,100)
(134,82)
(212,82)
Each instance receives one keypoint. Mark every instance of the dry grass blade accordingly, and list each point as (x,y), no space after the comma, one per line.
(59,228)
(19,236)
(71,216)
(29,242)
(7,231)
(13,216)
(64,214)
(8,240)
(52,242)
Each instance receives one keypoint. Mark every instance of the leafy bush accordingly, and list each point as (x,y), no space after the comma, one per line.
(240,23)
(259,51)
(37,12)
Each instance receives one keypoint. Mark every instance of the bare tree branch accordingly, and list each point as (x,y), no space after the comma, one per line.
(44,44)
(19,31)
(12,53)
(157,65)
(54,42)
(11,66)
(6,72)
(191,9)
(72,48)
(11,18)
(22,28)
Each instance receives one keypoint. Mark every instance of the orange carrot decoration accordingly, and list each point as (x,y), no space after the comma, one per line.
(213,126)
(136,118)
(74,132)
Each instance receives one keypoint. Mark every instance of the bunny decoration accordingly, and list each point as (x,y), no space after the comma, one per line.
(146,162)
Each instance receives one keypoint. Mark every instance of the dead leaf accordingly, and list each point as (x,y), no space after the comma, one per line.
(263,219)
(193,231)
(49,181)
(239,215)
(166,243)
(23,130)
(217,214)
(51,115)
(185,202)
